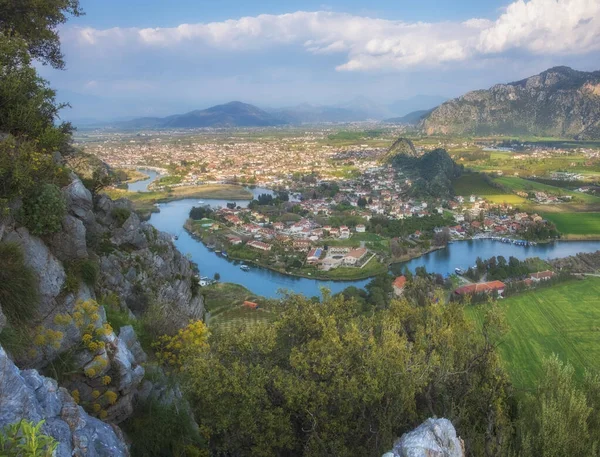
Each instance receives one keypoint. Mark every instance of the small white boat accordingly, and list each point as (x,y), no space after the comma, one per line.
(200,202)
(244,268)
(459,271)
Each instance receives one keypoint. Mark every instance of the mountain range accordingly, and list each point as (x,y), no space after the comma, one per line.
(559,102)
(238,114)
(233,114)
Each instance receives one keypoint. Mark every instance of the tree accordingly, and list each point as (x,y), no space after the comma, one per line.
(326,379)
(442,238)
(562,417)
(36,22)
(29,108)
(217,276)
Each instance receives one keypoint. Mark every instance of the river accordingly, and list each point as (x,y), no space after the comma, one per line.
(142,186)
(267,283)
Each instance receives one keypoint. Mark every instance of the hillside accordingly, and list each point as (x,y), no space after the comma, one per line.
(559,102)
(432,173)
(410,119)
(233,114)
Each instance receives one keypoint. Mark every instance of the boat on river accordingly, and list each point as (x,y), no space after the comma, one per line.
(459,271)
(244,268)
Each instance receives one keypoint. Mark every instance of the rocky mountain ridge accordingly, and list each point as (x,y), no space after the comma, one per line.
(139,269)
(559,102)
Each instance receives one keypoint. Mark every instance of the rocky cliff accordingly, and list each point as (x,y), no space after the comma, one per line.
(70,337)
(559,102)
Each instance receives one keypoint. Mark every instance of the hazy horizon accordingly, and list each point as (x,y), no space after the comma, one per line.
(152,60)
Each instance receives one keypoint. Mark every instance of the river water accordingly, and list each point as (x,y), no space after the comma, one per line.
(267,283)
(142,186)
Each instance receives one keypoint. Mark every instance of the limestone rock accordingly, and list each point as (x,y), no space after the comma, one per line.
(2,319)
(49,271)
(433,438)
(27,395)
(79,199)
(70,243)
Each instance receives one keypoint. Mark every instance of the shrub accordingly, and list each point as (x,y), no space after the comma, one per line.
(24,439)
(159,429)
(88,271)
(120,215)
(44,210)
(18,285)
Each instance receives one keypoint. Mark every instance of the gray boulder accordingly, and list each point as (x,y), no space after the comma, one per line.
(433,438)
(49,271)
(27,395)
(70,243)
(79,199)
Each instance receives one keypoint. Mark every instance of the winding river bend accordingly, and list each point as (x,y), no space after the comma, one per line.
(267,283)
(142,186)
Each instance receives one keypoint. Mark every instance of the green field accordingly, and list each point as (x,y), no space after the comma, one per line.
(224,303)
(579,224)
(520,184)
(563,319)
(475,184)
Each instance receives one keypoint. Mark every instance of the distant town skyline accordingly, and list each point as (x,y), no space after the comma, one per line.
(150,58)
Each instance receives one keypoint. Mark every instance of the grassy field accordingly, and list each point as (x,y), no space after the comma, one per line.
(520,184)
(576,224)
(563,319)
(144,201)
(224,303)
(475,184)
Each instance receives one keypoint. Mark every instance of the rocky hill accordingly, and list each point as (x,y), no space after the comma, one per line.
(233,114)
(102,257)
(559,102)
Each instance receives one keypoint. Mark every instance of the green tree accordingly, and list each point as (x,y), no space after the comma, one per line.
(36,22)
(326,379)
(562,417)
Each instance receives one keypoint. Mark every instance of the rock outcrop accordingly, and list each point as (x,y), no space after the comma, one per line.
(137,264)
(433,438)
(27,395)
(559,102)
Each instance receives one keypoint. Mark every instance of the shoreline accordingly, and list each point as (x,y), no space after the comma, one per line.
(362,277)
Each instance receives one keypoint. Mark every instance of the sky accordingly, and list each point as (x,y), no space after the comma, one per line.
(159,57)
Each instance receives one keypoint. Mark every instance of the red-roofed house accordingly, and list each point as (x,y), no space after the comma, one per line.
(542,276)
(399,284)
(481,287)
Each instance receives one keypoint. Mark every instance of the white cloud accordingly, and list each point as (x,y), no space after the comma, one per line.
(536,27)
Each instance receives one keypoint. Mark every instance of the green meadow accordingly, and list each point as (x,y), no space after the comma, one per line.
(576,224)
(563,320)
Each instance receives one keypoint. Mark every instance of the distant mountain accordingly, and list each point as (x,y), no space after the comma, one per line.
(311,114)
(233,114)
(410,119)
(401,108)
(559,102)
(356,110)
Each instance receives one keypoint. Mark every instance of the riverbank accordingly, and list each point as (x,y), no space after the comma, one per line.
(133,175)
(372,268)
(144,202)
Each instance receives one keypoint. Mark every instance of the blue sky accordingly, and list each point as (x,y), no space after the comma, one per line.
(158,57)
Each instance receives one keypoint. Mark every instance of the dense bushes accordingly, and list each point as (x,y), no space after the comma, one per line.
(120,215)
(18,285)
(326,379)
(562,416)
(43,212)
(158,429)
